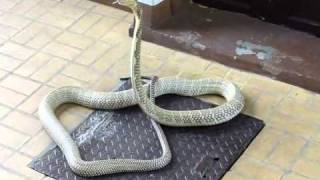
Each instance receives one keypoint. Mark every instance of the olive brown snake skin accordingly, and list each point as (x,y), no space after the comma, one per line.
(143,95)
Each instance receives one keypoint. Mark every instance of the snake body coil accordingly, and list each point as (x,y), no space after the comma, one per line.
(138,95)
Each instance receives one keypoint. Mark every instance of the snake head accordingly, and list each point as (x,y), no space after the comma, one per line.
(132,4)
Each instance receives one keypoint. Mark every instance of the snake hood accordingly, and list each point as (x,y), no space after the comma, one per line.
(132,4)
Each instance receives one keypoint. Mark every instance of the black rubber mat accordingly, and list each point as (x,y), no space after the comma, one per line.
(198,153)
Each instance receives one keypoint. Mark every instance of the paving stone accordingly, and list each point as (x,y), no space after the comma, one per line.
(115,38)
(86,4)
(300,95)
(122,28)
(316,137)
(40,9)
(3,111)
(23,6)
(293,176)
(168,70)
(186,63)
(307,168)
(56,20)
(91,54)
(150,63)
(104,63)
(293,124)
(22,122)
(61,50)
(33,64)
(264,143)
(68,11)
(4,174)
(249,109)
(121,68)
(14,21)
(28,33)
(233,176)
(128,18)
(21,85)
(11,138)
(217,70)
(10,98)
(237,76)
(43,37)
(19,162)
(83,24)
(16,51)
(3,73)
(268,85)
(101,27)
(190,75)
(263,106)
(113,55)
(74,40)
(110,12)
(314,103)
(31,104)
(61,80)
(37,144)
(256,170)
(288,106)
(250,93)
(287,151)
(106,83)
(71,2)
(70,121)
(8,63)
(312,151)
(73,109)
(47,71)
(163,53)
(5,153)
(2,40)
(7,4)
(80,72)
(6,32)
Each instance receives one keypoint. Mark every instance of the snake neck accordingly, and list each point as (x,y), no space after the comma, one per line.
(135,59)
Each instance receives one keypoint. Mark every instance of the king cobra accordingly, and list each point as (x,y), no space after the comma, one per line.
(142,94)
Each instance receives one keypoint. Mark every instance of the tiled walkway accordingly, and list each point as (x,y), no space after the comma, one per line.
(46,44)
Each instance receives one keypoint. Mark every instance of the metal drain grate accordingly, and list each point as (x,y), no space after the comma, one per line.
(198,153)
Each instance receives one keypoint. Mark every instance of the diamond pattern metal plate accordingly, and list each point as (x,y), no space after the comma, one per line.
(198,153)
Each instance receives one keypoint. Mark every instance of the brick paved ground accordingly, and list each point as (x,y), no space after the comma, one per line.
(46,44)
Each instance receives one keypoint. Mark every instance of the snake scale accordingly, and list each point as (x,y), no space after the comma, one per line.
(143,95)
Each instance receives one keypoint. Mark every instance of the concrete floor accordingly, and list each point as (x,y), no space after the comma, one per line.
(47,44)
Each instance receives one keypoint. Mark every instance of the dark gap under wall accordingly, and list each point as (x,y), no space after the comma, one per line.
(298,14)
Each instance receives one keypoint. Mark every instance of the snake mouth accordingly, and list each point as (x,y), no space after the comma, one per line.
(116,2)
